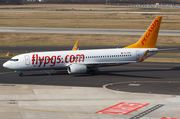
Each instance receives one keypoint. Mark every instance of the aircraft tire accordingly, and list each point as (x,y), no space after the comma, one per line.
(92,72)
(20,74)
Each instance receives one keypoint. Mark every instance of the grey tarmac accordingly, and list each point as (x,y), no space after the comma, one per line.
(52,94)
(102,11)
(85,31)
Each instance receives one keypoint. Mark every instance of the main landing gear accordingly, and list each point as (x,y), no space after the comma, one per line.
(92,72)
(21,74)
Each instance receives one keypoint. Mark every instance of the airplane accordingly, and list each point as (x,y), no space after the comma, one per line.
(87,61)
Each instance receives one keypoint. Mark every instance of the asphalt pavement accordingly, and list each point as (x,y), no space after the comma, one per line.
(85,31)
(56,94)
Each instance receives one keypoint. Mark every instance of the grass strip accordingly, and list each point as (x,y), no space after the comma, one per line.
(86,20)
(41,39)
(174,54)
(164,60)
(4,55)
(83,7)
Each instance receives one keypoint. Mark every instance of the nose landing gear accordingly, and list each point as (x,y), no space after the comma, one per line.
(20,74)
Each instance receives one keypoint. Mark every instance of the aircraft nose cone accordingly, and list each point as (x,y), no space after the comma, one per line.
(5,65)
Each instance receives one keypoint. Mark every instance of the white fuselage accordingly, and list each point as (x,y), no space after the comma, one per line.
(62,59)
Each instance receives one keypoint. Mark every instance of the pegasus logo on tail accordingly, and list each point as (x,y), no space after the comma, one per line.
(149,39)
(149,31)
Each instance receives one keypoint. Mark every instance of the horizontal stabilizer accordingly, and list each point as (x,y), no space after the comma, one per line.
(144,56)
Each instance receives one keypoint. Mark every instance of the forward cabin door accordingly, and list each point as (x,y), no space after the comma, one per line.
(27,60)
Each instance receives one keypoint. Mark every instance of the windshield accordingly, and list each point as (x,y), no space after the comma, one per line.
(14,60)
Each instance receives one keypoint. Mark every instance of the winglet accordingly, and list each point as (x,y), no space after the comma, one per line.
(75,45)
(144,56)
(149,39)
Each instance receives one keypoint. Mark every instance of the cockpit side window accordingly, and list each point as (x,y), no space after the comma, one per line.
(14,60)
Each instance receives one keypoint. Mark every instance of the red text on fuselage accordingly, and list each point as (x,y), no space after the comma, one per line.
(55,59)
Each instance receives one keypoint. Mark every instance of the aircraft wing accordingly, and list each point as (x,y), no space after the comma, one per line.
(90,64)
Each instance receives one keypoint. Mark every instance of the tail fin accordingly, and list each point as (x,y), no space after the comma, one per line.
(75,45)
(149,39)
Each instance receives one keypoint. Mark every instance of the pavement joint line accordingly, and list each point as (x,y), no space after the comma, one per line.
(104,86)
(147,111)
(43,79)
(24,109)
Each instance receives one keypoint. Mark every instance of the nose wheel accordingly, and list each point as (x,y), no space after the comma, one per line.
(21,74)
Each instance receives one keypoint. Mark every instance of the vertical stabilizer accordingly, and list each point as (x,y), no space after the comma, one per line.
(149,39)
(75,45)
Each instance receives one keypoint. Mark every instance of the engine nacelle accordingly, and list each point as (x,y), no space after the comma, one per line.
(77,69)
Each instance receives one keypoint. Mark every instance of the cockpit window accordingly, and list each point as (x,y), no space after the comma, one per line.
(14,60)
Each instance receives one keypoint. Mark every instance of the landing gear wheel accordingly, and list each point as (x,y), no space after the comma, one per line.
(92,72)
(20,74)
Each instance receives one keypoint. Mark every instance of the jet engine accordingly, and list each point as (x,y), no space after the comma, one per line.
(77,69)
